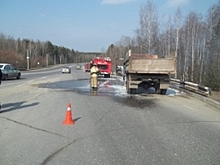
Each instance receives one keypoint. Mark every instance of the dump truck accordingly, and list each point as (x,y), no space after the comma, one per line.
(146,71)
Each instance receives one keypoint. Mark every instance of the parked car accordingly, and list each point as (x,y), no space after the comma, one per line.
(9,71)
(66,69)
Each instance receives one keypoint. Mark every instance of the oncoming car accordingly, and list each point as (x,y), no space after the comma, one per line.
(66,69)
(9,71)
(78,66)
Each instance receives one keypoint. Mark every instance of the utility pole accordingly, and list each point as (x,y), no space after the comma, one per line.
(28,60)
(47,59)
(54,59)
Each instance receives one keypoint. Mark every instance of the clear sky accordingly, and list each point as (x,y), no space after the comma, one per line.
(83,25)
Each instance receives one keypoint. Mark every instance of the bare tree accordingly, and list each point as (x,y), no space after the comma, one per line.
(177,20)
(190,43)
(148,30)
(168,37)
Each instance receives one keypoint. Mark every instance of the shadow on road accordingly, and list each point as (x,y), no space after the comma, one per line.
(16,106)
(77,118)
(14,79)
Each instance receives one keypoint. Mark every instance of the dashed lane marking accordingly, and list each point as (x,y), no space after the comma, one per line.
(188,107)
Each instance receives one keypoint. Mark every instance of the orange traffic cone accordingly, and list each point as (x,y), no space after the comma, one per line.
(68,119)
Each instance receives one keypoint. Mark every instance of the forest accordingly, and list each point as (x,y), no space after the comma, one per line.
(194,40)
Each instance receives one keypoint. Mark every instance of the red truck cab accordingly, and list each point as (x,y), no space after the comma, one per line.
(104,64)
(87,67)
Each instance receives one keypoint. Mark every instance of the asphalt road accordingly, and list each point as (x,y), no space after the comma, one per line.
(111,127)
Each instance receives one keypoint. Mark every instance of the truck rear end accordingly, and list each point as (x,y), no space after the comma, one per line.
(146,71)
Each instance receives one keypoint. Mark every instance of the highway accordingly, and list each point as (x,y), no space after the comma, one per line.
(111,127)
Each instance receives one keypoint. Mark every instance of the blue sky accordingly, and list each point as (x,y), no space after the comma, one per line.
(83,25)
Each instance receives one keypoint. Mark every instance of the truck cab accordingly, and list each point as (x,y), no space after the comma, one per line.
(105,66)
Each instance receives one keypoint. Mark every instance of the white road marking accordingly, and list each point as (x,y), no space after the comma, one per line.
(188,107)
(43,77)
(31,81)
(26,83)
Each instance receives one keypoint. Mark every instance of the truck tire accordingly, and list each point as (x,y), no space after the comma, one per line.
(128,90)
(126,86)
(106,76)
(157,89)
(163,91)
(133,91)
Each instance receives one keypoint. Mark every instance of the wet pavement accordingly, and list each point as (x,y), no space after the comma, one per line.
(113,87)
(106,86)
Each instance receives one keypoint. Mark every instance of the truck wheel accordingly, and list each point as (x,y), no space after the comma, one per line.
(133,91)
(157,91)
(129,90)
(106,75)
(163,91)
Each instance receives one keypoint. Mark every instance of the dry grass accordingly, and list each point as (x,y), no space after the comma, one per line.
(215,96)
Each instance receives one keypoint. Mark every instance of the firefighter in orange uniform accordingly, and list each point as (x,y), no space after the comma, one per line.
(94,76)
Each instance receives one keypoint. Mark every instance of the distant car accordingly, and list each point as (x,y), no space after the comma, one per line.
(9,71)
(78,66)
(66,69)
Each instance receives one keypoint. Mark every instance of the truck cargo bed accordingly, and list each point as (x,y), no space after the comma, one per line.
(151,66)
(146,71)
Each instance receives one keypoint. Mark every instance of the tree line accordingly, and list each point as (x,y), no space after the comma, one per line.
(194,40)
(39,54)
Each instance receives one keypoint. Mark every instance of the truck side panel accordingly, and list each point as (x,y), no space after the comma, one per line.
(151,66)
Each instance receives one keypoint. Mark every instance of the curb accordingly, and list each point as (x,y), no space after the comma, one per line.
(205,99)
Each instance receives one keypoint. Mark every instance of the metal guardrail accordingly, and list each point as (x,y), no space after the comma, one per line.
(191,87)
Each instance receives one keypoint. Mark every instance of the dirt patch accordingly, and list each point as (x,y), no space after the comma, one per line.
(215,96)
